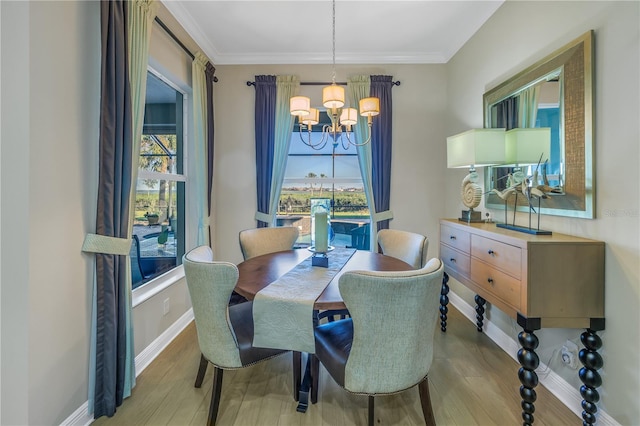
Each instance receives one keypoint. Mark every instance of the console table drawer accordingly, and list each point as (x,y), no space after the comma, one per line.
(500,255)
(498,283)
(455,238)
(455,259)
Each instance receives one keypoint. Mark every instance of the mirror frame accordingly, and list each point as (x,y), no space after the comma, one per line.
(576,130)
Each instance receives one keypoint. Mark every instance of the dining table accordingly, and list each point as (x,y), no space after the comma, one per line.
(257,273)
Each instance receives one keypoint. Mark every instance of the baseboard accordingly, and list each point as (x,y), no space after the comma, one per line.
(150,353)
(81,416)
(558,386)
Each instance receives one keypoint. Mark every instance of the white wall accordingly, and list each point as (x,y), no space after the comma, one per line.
(417,165)
(50,120)
(50,173)
(519,34)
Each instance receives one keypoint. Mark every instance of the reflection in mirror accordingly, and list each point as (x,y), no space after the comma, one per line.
(555,93)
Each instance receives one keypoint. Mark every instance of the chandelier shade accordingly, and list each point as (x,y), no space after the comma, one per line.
(369,107)
(333,96)
(349,116)
(299,105)
(312,118)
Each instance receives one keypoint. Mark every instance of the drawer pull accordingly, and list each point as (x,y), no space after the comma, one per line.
(452,237)
(491,252)
(452,260)
(490,280)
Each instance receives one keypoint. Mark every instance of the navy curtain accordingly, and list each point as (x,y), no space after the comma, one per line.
(113,208)
(381,142)
(265,123)
(210,78)
(506,117)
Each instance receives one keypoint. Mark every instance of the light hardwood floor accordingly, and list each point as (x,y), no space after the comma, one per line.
(472,382)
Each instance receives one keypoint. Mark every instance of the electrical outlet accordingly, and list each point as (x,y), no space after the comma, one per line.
(167,306)
(569,354)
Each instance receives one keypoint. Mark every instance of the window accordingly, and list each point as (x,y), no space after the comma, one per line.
(159,237)
(332,173)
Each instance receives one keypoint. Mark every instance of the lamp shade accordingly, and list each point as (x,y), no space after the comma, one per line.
(476,147)
(299,105)
(333,96)
(527,146)
(312,118)
(369,107)
(349,116)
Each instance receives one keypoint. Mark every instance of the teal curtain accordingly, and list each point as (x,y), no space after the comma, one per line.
(199,177)
(358,87)
(286,87)
(142,14)
(528,107)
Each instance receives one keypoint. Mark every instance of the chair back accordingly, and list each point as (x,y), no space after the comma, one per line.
(360,238)
(210,285)
(403,245)
(394,318)
(137,276)
(259,241)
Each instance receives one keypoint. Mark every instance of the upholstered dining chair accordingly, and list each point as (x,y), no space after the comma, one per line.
(407,246)
(373,354)
(225,333)
(259,241)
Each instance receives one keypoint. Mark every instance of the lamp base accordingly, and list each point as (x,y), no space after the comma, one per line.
(524,229)
(471,216)
(320,259)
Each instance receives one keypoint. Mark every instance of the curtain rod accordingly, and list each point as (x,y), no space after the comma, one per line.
(321,83)
(177,40)
(174,37)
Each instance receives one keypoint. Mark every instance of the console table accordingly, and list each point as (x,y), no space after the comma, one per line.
(539,280)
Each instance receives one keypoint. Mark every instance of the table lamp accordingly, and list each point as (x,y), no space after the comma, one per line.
(526,146)
(474,148)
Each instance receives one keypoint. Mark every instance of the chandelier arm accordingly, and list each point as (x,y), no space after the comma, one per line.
(354,143)
(317,146)
(345,145)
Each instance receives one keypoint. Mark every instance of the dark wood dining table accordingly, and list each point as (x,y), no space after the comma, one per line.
(260,271)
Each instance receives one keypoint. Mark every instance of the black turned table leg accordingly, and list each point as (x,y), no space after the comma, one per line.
(528,359)
(479,312)
(444,301)
(592,361)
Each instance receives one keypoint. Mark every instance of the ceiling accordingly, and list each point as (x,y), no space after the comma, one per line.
(299,31)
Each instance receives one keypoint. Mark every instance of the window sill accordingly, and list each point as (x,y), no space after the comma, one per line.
(155,286)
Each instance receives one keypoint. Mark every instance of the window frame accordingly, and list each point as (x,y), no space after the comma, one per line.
(174,275)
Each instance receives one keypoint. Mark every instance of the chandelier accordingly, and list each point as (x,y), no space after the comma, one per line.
(333,100)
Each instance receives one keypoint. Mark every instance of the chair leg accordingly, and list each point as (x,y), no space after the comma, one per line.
(371,407)
(425,401)
(215,395)
(201,370)
(297,366)
(315,376)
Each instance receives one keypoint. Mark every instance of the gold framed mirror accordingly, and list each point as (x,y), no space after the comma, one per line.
(555,92)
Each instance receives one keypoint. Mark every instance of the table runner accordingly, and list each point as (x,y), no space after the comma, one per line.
(283,311)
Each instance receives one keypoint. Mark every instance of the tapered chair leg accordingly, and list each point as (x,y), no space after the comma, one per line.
(425,401)
(372,418)
(201,370)
(297,366)
(315,376)
(215,395)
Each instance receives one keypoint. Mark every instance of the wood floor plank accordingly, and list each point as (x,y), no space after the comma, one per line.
(472,382)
